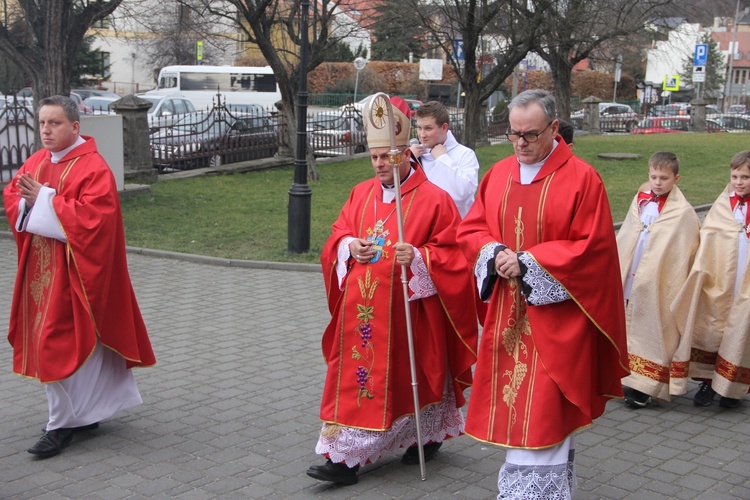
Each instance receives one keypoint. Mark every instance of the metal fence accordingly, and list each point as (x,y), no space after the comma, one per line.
(16,136)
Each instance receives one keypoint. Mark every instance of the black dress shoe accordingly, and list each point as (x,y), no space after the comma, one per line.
(729,402)
(704,396)
(411,455)
(52,443)
(335,473)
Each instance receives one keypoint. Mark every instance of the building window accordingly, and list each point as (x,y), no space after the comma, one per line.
(102,23)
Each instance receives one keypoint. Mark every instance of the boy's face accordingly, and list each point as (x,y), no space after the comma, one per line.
(430,133)
(741,180)
(661,180)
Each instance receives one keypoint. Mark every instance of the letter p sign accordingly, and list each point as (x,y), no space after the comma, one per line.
(701,54)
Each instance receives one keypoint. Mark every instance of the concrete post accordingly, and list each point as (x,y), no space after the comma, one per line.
(136,146)
(591,115)
(698,114)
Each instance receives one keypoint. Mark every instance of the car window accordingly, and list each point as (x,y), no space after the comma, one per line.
(179,106)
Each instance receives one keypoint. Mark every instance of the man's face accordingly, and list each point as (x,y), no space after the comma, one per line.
(383,168)
(430,133)
(56,130)
(741,180)
(531,119)
(661,180)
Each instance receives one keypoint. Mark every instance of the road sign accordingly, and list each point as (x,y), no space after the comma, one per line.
(701,54)
(699,74)
(199,51)
(458,49)
(671,83)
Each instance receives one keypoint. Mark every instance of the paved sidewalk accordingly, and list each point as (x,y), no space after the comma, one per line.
(231,412)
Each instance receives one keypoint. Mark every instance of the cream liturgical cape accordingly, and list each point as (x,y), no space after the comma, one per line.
(709,315)
(657,367)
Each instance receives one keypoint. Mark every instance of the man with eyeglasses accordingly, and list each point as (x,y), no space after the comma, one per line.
(553,349)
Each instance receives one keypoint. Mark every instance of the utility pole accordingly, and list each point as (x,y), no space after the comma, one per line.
(732,48)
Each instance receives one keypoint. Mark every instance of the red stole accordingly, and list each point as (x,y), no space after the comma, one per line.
(645,198)
(735,200)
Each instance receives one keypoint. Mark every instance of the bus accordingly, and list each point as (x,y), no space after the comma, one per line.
(238,85)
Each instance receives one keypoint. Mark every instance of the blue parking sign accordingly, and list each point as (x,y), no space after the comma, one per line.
(701,54)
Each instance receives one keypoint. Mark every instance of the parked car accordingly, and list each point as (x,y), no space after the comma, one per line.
(213,139)
(712,110)
(358,106)
(86,93)
(99,105)
(672,124)
(613,117)
(82,107)
(733,123)
(662,125)
(337,134)
(167,110)
(737,109)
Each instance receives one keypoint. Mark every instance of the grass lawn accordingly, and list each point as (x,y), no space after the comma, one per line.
(244,216)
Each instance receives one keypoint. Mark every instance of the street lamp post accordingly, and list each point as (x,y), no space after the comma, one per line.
(359,63)
(300,194)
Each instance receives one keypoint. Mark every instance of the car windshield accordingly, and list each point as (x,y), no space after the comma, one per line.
(153,100)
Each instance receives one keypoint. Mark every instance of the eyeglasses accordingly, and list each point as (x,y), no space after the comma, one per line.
(528,136)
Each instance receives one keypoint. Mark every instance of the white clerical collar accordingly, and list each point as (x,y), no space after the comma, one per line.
(529,171)
(56,156)
(450,143)
(389,192)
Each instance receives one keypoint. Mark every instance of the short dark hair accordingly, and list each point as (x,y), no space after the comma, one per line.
(66,103)
(566,130)
(434,109)
(740,160)
(665,160)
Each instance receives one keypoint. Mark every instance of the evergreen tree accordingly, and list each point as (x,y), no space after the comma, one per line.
(714,84)
(90,67)
(397,32)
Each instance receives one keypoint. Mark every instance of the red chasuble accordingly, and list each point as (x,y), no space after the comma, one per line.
(68,295)
(368,383)
(545,371)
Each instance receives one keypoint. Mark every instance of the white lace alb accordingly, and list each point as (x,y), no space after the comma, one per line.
(536,482)
(544,288)
(358,446)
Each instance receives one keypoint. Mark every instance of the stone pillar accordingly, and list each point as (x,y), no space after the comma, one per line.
(591,115)
(136,145)
(698,114)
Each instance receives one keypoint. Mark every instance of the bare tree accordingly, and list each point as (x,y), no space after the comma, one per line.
(574,29)
(502,31)
(164,33)
(42,37)
(273,25)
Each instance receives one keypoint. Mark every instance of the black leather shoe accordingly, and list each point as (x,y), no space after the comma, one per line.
(52,443)
(411,455)
(729,402)
(704,396)
(335,473)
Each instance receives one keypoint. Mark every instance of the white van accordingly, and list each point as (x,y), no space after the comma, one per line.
(236,84)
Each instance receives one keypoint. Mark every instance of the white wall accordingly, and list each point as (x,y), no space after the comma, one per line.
(107,131)
(668,57)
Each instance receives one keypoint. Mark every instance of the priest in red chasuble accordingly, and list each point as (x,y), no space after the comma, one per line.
(367,405)
(74,323)
(542,245)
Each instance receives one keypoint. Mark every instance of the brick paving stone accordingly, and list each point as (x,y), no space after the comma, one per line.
(231,411)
